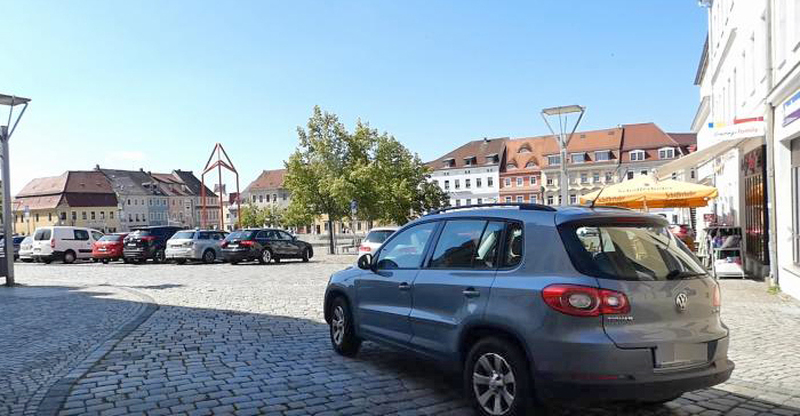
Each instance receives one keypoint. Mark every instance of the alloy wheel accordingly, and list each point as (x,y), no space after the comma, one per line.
(337,325)
(494,384)
(266,256)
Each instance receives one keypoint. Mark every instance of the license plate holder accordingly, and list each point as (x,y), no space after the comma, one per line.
(681,355)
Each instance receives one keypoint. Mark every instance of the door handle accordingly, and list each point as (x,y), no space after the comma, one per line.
(470,292)
(404,286)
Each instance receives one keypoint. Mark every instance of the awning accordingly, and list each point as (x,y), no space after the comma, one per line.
(700,157)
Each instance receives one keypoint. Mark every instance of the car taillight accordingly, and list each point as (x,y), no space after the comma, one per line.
(52,243)
(364,248)
(585,301)
(148,238)
(224,244)
(247,243)
(716,301)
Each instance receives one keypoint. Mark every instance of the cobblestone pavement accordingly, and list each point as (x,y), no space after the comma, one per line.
(250,339)
(47,331)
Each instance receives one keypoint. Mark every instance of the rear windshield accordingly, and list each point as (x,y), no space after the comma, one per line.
(41,235)
(378,236)
(184,235)
(111,237)
(630,252)
(240,235)
(139,233)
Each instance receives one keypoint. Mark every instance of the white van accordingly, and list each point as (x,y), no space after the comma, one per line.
(63,243)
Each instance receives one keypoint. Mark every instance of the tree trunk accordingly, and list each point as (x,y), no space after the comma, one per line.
(332,248)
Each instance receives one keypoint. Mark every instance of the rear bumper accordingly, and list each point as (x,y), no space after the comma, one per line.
(102,255)
(645,389)
(182,253)
(138,253)
(54,256)
(239,255)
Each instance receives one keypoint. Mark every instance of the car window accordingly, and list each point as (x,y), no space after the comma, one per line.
(217,236)
(203,235)
(184,235)
(96,235)
(42,235)
(283,235)
(81,235)
(240,235)
(405,250)
(378,236)
(262,235)
(457,244)
(514,245)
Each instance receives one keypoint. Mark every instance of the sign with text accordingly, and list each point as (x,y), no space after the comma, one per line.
(791,109)
(739,131)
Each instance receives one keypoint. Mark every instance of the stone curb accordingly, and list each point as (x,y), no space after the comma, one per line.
(58,392)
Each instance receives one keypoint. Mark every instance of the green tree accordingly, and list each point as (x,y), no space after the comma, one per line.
(274,216)
(316,170)
(251,216)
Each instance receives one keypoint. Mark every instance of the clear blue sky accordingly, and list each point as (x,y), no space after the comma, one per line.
(155,84)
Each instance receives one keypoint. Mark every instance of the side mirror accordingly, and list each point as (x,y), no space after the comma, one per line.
(365,262)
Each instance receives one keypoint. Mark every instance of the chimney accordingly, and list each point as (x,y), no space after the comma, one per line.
(485,139)
(96,167)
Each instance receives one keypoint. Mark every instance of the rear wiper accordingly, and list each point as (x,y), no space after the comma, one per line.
(678,274)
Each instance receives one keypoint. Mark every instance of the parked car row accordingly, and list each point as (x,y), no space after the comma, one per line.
(161,244)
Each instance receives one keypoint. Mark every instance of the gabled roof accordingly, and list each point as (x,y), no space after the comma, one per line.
(267,180)
(131,182)
(645,136)
(684,139)
(191,182)
(477,148)
(75,188)
(50,185)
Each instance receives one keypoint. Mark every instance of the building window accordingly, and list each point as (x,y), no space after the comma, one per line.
(490,182)
(467,184)
(255,199)
(261,198)
(550,200)
(533,199)
(111,215)
(630,175)
(602,156)
(755,206)
(549,181)
(532,180)
(666,153)
(446,185)
(554,160)
(50,216)
(508,182)
(511,166)
(458,202)
(137,217)
(519,181)
(508,199)
(94,217)
(637,155)
(468,201)
(477,182)
(577,157)
(74,216)
(480,201)
(102,215)
(584,178)
(520,199)
(274,197)
(692,174)
(596,177)
(573,199)
(609,177)
(457,184)
(644,173)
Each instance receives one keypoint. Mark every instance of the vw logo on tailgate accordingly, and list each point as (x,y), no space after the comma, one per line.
(681,301)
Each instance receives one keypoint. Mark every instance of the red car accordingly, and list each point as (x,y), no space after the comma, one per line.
(108,248)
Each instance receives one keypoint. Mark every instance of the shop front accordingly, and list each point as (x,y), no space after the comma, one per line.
(787,190)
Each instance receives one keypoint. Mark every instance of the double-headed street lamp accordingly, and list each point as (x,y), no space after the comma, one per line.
(9,101)
(562,113)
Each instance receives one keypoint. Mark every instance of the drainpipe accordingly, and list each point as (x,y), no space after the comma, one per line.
(769,117)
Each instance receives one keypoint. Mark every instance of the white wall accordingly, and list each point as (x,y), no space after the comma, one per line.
(485,192)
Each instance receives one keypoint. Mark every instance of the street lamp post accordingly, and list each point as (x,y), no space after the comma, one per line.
(562,113)
(5,134)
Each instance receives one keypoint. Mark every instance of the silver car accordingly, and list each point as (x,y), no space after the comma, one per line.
(26,250)
(189,245)
(536,303)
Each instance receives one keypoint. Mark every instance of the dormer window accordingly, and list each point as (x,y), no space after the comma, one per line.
(666,153)
(449,163)
(492,159)
(602,156)
(525,148)
(530,164)
(554,160)
(469,161)
(637,155)
(511,166)
(577,157)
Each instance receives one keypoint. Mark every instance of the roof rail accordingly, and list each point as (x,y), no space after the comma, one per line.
(606,207)
(520,205)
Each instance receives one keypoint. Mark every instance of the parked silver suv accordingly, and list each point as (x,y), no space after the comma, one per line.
(190,245)
(537,303)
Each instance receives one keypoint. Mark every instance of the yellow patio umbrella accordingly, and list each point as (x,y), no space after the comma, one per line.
(646,192)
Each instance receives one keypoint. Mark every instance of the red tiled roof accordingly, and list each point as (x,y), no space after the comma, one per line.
(684,139)
(645,136)
(268,179)
(479,149)
(44,186)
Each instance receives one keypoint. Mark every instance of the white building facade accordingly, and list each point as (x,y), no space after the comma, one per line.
(470,175)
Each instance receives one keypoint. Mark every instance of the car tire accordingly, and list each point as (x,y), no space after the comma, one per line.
(306,255)
(342,333)
(180,261)
(159,256)
(209,256)
(69,257)
(496,379)
(104,261)
(265,257)
(48,261)
(234,262)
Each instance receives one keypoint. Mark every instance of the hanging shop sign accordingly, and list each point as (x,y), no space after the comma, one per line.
(739,129)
